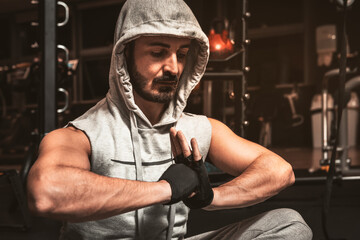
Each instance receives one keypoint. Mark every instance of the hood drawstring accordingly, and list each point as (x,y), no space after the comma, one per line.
(136,146)
(138,166)
(139,177)
(172,210)
(171,218)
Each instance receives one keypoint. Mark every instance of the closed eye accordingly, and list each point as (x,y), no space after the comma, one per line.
(182,54)
(158,54)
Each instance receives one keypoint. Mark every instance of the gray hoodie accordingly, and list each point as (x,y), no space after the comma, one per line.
(124,144)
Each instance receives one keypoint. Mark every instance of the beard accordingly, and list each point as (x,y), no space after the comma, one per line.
(159,92)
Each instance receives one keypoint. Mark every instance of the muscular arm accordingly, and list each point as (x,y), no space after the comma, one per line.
(259,173)
(61,186)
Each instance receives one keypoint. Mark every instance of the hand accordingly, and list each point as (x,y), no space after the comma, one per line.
(180,149)
(183,181)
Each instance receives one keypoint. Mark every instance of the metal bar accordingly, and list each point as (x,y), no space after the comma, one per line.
(343,140)
(48,65)
(66,51)
(75,51)
(323,179)
(240,88)
(324,125)
(223,75)
(350,85)
(66,106)
(239,108)
(80,85)
(324,116)
(66,8)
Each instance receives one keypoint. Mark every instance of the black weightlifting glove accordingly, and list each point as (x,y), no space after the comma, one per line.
(205,194)
(183,181)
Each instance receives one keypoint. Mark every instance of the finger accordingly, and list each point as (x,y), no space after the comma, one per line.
(192,194)
(195,150)
(183,143)
(176,148)
(173,149)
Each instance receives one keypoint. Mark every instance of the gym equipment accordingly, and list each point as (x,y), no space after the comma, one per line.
(49,74)
(13,204)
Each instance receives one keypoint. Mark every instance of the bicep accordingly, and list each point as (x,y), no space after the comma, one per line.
(229,152)
(64,147)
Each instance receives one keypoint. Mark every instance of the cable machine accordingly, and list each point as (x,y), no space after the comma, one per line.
(47,70)
(238,76)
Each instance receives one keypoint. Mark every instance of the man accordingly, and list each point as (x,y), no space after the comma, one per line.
(110,174)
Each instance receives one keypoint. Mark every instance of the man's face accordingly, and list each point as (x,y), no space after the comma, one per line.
(156,66)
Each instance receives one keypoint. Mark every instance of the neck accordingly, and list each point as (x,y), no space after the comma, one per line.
(152,110)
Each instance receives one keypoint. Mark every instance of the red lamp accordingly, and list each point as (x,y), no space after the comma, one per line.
(220,44)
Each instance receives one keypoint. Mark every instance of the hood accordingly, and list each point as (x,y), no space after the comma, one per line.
(156,17)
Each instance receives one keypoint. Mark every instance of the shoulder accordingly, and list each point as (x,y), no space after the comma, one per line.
(197,122)
(219,128)
(66,138)
(230,152)
(222,135)
(216,123)
(65,147)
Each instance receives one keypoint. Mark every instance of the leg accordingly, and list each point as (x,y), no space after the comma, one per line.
(276,224)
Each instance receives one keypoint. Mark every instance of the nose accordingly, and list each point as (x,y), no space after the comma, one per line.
(171,64)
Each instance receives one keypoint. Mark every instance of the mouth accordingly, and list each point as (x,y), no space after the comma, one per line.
(167,79)
(166,82)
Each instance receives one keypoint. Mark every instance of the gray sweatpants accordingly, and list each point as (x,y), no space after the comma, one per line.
(281,223)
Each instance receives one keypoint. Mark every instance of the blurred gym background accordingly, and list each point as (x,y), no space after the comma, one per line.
(265,79)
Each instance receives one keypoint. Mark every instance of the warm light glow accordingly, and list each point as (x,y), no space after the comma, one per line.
(218,46)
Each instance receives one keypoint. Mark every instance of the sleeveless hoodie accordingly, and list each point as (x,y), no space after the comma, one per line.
(124,144)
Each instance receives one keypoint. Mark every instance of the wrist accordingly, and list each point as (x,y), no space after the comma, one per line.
(165,190)
(213,205)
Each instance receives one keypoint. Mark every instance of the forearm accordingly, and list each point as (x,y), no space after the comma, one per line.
(264,178)
(74,194)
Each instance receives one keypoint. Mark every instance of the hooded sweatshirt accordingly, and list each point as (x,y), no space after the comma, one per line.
(124,144)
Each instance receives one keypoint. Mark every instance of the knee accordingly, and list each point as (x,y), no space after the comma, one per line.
(286,215)
(293,224)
